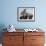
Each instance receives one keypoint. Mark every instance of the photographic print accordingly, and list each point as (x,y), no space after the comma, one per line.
(26,14)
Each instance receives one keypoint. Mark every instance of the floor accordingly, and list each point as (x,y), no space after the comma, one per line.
(0,44)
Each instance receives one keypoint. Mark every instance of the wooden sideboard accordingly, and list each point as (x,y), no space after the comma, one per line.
(23,39)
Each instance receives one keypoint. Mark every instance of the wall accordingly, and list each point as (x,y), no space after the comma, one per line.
(9,13)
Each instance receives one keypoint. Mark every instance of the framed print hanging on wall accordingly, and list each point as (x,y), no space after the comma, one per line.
(26,14)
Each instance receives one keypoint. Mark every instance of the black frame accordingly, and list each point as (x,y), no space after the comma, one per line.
(25,20)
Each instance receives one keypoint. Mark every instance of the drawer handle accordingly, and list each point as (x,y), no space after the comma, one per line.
(11,38)
(33,39)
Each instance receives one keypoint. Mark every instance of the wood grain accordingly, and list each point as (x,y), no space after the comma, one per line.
(23,38)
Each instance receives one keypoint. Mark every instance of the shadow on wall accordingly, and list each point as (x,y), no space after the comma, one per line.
(2,26)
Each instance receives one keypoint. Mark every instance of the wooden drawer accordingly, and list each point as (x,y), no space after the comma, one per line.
(12,44)
(13,33)
(12,39)
(37,45)
(27,41)
(37,39)
(33,40)
(34,33)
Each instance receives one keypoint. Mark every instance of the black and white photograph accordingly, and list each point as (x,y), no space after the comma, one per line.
(26,14)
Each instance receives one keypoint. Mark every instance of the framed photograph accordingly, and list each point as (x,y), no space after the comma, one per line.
(26,14)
